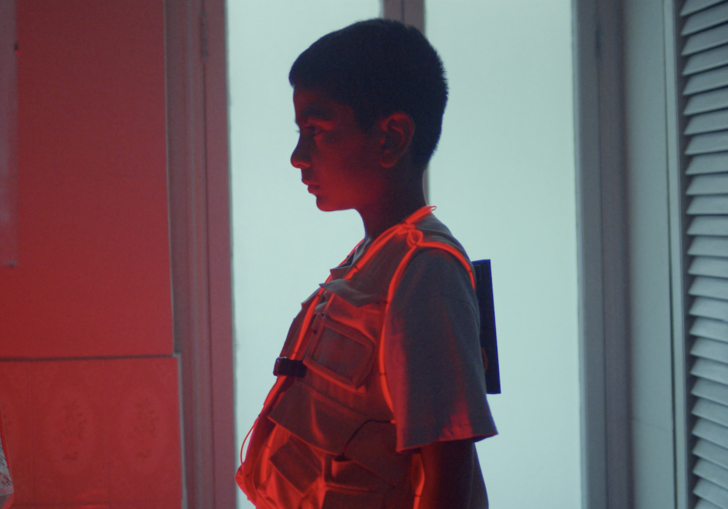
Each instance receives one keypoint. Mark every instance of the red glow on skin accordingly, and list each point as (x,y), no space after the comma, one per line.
(337,159)
(347,167)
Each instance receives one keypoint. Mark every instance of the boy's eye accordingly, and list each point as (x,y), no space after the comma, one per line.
(312,130)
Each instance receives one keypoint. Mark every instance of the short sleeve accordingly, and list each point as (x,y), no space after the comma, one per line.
(432,354)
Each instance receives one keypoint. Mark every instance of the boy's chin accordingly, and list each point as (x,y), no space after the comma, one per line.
(326,206)
(323,204)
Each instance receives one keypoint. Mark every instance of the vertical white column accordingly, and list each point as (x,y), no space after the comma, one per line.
(503,180)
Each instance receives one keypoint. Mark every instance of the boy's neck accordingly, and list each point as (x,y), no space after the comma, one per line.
(394,207)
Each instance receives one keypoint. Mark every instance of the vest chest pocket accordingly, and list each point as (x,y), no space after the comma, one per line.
(341,354)
(291,472)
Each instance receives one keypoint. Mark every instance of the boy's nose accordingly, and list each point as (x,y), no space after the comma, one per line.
(299,158)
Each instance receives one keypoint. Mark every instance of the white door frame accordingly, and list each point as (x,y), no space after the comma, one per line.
(602,248)
(198,172)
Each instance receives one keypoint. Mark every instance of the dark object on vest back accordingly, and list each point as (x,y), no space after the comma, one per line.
(488,341)
(287,367)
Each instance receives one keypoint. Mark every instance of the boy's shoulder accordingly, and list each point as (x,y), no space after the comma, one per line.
(436,231)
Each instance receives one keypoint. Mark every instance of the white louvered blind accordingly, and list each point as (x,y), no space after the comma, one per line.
(705,53)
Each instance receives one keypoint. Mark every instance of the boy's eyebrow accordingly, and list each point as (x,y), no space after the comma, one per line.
(316,111)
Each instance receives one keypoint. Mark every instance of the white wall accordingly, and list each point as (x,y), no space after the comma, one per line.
(503,179)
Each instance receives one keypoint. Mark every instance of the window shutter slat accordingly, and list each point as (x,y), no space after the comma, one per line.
(704,504)
(705,81)
(709,142)
(707,101)
(709,287)
(711,432)
(709,308)
(709,349)
(706,19)
(710,370)
(709,246)
(708,184)
(711,411)
(706,225)
(712,493)
(707,328)
(708,122)
(709,39)
(711,452)
(709,205)
(713,473)
(711,391)
(712,267)
(693,6)
(707,60)
(708,163)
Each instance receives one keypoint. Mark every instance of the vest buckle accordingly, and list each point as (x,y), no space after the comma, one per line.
(289,367)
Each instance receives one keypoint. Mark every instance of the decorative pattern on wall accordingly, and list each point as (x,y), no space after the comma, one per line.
(94,432)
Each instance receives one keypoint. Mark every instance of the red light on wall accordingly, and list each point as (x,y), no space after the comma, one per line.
(8,137)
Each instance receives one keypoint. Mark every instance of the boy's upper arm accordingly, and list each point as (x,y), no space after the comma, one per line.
(448,470)
(433,364)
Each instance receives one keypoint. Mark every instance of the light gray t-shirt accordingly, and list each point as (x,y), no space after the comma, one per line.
(432,354)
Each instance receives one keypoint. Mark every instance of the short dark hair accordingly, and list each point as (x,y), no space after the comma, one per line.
(378,67)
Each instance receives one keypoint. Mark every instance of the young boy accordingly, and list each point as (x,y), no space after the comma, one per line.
(380,392)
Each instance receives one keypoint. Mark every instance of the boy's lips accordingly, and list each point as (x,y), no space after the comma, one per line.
(311,186)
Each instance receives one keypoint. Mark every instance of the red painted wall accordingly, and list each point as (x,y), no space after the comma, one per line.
(88,380)
(93,277)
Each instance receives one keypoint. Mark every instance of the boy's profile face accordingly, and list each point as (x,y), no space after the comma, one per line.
(339,161)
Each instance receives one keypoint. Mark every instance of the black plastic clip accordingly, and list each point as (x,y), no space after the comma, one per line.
(288,367)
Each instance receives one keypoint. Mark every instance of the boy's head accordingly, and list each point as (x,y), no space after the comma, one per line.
(378,67)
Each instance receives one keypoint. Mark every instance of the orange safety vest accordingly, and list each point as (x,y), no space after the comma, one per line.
(335,426)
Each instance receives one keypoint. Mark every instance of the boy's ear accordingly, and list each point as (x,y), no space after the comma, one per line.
(397,130)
